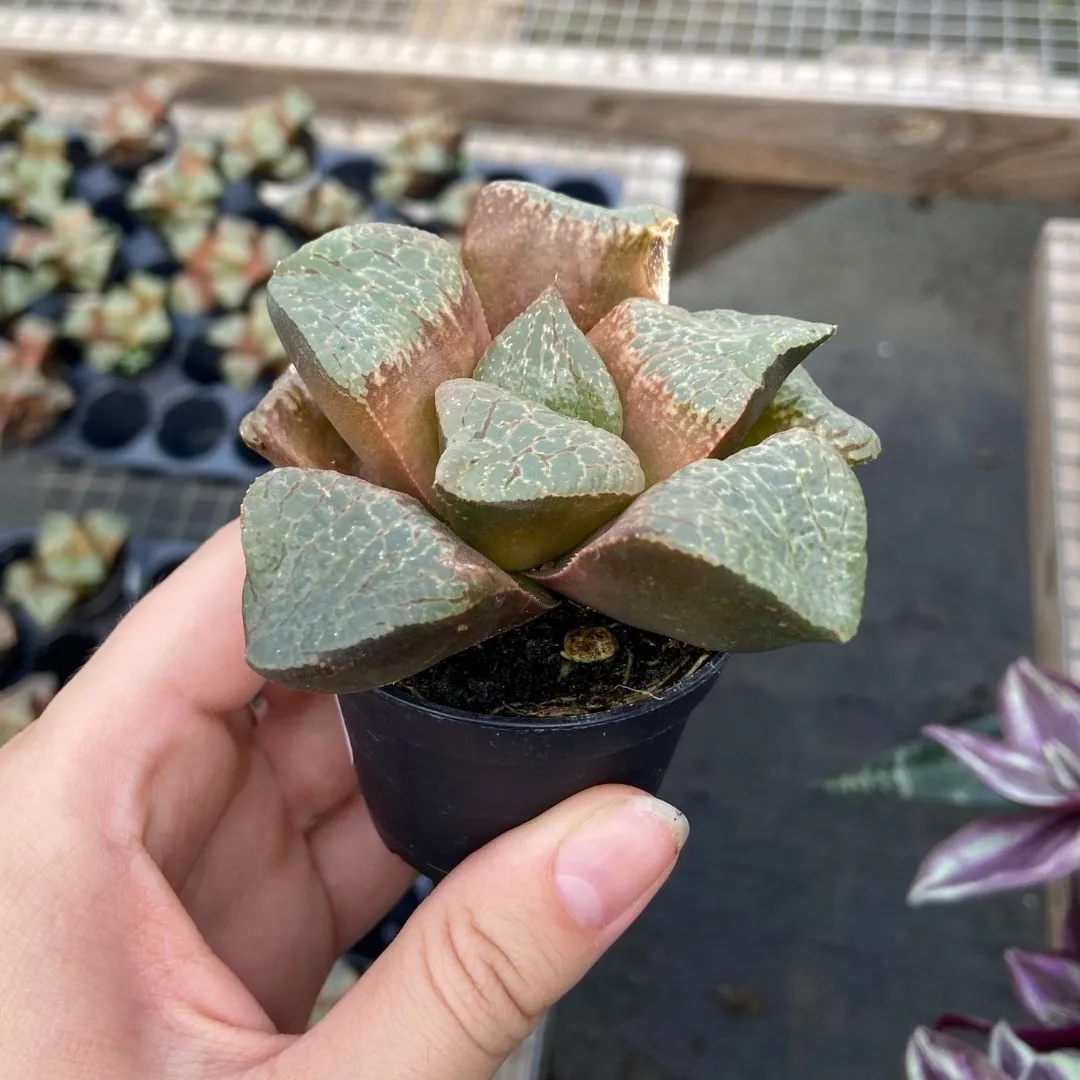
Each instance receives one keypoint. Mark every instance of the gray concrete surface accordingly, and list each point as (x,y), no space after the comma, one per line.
(796,899)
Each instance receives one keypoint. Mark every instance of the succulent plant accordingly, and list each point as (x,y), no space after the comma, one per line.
(124,328)
(252,347)
(315,207)
(180,196)
(71,560)
(18,104)
(230,261)
(427,151)
(271,139)
(596,443)
(21,287)
(33,391)
(134,125)
(934,1055)
(35,172)
(76,246)
(23,703)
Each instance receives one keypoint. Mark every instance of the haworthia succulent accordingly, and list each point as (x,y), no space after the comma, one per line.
(375,317)
(407,592)
(923,771)
(764,549)
(522,483)
(544,357)
(288,428)
(522,238)
(693,383)
(801,403)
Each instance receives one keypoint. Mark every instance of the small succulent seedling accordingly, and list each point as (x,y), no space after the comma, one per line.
(77,247)
(134,125)
(21,287)
(427,151)
(33,392)
(233,258)
(251,346)
(71,560)
(595,444)
(124,328)
(23,703)
(271,139)
(35,172)
(18,104)
(316,207)
(180,195)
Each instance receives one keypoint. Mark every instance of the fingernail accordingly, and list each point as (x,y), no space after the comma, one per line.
(613,858)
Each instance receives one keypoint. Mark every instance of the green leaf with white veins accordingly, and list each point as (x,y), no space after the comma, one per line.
(763,549)
(375,317)
(520,482)
(544,357)
(693,383)
(800,403)
(406,591)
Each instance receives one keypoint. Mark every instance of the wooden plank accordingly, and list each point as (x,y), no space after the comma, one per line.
(811,124)
(1054,473)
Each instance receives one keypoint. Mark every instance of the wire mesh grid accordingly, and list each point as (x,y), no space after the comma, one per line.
(988,48)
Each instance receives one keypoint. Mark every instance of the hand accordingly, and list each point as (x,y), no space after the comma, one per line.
(183,854)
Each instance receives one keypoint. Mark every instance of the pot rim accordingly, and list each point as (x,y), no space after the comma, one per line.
(708,669)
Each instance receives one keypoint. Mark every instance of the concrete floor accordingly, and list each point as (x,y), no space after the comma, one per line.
(794,897)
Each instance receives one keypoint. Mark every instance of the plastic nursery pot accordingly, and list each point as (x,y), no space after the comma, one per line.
(441,783)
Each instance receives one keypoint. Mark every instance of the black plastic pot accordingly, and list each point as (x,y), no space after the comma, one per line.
(441,783)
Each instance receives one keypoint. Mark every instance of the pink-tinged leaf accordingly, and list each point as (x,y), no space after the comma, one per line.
(1038,707)
(765,549)
(1008,1052)
(522,238)
(1047,985)
(1012,773)
(407,592)
(995,854)
(934,1056)
(521,483)
(288,428)
(801,403)
(693,383)
(375,318)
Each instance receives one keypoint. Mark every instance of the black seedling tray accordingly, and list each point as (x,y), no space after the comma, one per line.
(63,650)
(178,417)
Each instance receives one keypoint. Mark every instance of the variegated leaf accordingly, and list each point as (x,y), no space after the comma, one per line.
(288,428)
(544,357)
(932,1055)
(693,383)
(406,591)
(764,549)
(375,317)
(522,238)
(522,483)
(801,403)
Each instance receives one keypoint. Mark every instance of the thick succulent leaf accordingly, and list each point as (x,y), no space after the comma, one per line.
(521,483)
(1039,707)
(801,403)
(1014,774)
(923,771)
(288,428)
(375,317)
(351,586)
(1047,985)
(995,854)
(1064,1065)
(765,549)
(932,1055)
(522,238)
(1009,1052)
(544,357)
(693,383)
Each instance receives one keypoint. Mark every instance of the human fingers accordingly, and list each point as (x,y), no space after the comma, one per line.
(497,943)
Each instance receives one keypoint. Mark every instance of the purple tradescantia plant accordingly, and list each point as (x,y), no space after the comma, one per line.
(1036,766)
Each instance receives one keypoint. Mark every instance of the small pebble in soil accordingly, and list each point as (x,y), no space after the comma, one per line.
(741,1001)
(589,644)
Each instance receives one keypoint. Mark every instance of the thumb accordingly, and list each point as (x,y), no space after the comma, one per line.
(498,942)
